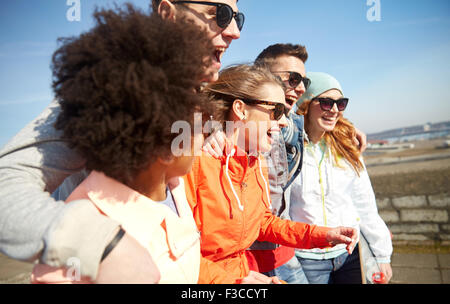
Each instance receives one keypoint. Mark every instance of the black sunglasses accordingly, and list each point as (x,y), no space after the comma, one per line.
(277,112)
(224,13)
(295,79)
(326,104)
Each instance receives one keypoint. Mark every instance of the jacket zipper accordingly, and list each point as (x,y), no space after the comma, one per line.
(322,190)
(243,187)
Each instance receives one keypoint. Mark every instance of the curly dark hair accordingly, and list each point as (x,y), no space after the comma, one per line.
(123,84)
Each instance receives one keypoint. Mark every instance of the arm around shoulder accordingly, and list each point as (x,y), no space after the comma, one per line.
(32,165)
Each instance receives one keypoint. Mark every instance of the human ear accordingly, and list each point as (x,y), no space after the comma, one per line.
(166,160)
(238,109)
(166,10)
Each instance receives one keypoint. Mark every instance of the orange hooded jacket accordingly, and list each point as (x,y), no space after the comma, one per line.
(230,201)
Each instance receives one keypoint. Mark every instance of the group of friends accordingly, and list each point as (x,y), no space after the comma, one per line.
(277,192)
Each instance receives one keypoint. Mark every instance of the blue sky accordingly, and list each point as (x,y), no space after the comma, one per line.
(395,71)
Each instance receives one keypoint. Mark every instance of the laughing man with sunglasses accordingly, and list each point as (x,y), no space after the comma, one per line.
(37,161)
(222,21)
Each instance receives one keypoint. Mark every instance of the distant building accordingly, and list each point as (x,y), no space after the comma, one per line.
(426,131)
(376,143)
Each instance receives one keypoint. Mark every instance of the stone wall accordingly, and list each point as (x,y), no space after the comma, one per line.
(417,219)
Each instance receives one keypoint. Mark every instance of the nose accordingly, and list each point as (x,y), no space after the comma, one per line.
(300,89)
(334,109)
(232,31)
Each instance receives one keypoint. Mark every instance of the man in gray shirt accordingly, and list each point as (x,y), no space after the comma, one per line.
(34,225)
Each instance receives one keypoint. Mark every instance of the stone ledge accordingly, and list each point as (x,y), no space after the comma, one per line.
(383,203)
(424,215)
(409,202)
(440,200)
(414,228)
(389,216)
(411,237)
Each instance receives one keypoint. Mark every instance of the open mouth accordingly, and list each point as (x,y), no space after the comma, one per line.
(273,134)
(329,120)
(290,101)
(219,53)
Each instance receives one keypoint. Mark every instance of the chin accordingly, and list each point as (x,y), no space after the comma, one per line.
(327,127)
(214,77)
(211,76)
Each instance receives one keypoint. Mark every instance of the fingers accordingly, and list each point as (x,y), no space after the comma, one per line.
(209,150)
(276,280)
(342,239)
(387,270)
(361,140)
(259,278)
(350,247)
(214,144)
(350,237)
(220,139)
(356,143)
(343,235)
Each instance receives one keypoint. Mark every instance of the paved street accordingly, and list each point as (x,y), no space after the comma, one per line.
(408,268)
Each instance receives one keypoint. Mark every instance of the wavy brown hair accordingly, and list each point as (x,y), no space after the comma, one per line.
(340,139)
(238,82)
(124,83)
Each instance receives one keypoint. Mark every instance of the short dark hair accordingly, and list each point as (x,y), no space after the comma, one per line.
(155,4)
(272,52)
(124,83)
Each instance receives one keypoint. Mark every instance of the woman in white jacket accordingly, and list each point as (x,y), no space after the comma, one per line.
(334,188)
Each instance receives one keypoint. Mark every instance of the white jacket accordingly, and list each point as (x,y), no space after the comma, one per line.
(327,195)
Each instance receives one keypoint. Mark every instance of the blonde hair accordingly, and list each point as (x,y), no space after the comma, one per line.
(340,140)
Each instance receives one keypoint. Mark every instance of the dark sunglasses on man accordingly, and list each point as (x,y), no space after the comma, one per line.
(224,13)
(277,112)
(326,104)
(295,79)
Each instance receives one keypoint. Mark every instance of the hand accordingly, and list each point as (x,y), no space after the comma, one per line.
(215,144)
(259,278)
(360,140)
(343,235)
(387,270)
(128,263)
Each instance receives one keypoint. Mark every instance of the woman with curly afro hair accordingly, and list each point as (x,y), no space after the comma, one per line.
(121,86)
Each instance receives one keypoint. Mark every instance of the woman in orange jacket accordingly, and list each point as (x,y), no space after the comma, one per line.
(229,196)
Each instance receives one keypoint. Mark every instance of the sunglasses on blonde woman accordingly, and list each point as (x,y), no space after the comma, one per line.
(224,13)
(326,104)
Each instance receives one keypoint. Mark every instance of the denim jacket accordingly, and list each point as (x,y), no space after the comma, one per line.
(293,138)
